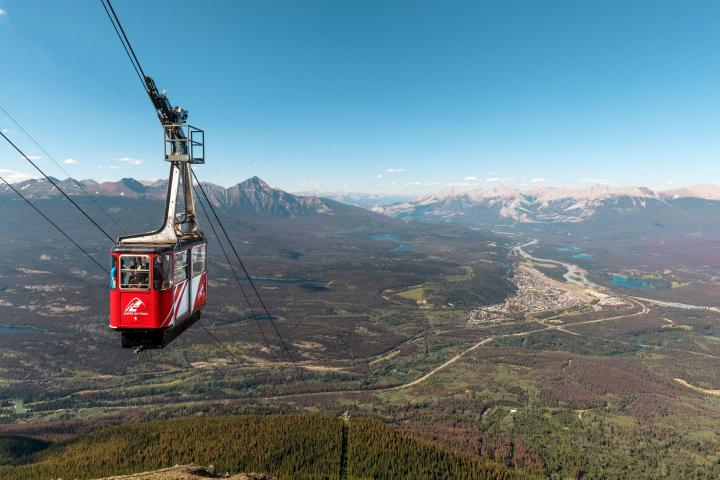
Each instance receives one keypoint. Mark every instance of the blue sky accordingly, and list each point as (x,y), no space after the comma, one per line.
(374,96)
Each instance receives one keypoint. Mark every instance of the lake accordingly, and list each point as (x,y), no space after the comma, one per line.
(313,285)
(386,237)
(389,237)
(10,329)
(571,249)
(403,247)
(636,281)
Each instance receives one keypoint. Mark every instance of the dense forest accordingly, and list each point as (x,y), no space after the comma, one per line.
(289,446)
(378,451)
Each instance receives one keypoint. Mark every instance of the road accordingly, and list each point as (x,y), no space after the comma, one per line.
(683,306)
(432,372)
(576,276)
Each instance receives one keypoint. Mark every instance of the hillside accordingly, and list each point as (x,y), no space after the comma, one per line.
(291,447)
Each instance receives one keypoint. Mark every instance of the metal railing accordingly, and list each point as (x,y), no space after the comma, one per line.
(184,143)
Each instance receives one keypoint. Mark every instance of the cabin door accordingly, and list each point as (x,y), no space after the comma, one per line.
(181,293)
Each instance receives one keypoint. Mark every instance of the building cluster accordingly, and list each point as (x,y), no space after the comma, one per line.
(535,293)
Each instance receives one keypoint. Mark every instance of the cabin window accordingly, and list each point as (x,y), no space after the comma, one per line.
(135,272)
(198,259)
(113,273)
(162,272)
(180,272)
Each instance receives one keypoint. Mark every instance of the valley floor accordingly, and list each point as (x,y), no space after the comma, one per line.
(568,377)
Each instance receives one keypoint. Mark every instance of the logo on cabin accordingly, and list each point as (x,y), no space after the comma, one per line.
(133,307)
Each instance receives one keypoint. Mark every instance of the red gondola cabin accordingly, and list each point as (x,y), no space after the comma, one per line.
(154,292)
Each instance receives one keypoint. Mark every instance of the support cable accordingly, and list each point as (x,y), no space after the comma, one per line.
(128,48)
(127,40)
(224,347)
(237,279)
(76,182)
(247,275)
(58,187)
(242,290)
(182,352)
(54,225)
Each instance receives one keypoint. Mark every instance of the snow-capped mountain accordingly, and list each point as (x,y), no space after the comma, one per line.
(708,191)
(358,199)
(502,205)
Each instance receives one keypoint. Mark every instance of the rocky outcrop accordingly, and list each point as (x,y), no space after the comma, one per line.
(190,472)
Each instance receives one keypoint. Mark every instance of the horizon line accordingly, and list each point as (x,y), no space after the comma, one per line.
(458,187)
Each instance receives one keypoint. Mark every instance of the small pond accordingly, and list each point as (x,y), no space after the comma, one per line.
(19,406)
(386,237)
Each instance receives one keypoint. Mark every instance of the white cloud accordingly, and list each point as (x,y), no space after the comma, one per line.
(32,157)
(669,182)
(2,13)
(6,130)
(114,167)
(493,173)
(594,180)
(492,179)
(13,176)
(70,161)
(395,170)
(470,179)
(379,175)
(130,160)
(537,180)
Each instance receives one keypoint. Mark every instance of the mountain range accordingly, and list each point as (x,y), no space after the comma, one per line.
(252,196)
(504,205)
(476,208)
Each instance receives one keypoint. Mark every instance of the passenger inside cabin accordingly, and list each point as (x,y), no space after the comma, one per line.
(135,272)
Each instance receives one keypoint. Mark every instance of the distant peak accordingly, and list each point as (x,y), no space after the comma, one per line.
(256,183)
(133,185)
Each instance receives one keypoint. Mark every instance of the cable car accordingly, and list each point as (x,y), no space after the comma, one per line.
(158,280)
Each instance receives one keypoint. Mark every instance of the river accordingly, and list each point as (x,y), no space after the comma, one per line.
(578,276)
(573,274)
